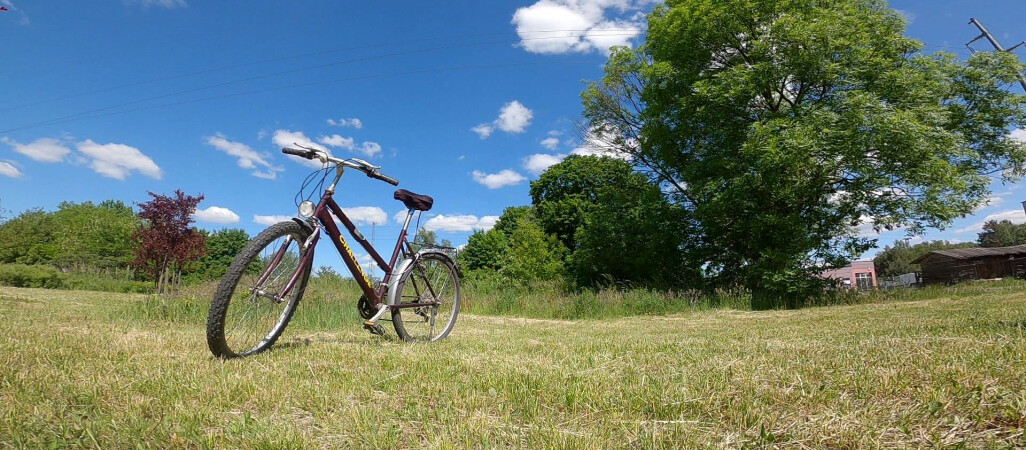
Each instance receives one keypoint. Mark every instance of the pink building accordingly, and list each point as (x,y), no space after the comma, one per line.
(858,274)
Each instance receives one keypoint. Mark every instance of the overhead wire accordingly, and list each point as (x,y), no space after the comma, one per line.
(279,88)
(91,113)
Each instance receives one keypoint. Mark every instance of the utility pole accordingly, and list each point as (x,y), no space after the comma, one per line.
(986,34)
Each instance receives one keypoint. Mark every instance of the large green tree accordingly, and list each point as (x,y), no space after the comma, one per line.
(28,238)
(94,235)
(781,125)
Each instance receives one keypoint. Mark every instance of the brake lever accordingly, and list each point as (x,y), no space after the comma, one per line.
(320,154)
(365,163)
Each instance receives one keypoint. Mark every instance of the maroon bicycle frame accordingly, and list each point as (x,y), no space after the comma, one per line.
(325,211)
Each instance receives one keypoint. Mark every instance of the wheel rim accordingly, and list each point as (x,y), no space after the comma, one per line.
(429,280)
(254,315)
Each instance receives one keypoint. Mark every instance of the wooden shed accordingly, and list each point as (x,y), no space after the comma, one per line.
(981,263)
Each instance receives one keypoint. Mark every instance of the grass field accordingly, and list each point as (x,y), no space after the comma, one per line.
(120,370)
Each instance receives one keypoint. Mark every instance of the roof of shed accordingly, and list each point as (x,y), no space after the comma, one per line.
(976,252)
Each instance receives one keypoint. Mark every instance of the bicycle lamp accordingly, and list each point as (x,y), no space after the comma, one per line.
(306,209)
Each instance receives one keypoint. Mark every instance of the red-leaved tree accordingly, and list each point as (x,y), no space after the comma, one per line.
(166,243)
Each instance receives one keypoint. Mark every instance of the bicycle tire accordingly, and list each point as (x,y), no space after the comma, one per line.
(419,324)
(248,268)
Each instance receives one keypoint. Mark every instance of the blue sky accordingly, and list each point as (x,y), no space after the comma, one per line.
(464,101)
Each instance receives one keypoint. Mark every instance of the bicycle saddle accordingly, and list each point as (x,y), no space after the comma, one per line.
(415,201)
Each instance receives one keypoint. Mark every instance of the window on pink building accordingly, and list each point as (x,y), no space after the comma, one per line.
(864,280)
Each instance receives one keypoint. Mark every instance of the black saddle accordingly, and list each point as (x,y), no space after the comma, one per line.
(415,201)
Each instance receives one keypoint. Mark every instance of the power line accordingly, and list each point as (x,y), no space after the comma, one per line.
(279,88)
(600,33)
(87,114)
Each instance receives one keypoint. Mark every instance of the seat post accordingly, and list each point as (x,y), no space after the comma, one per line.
(409,216)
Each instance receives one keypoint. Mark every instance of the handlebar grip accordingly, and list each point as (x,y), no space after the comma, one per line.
(383,177)
(308,154)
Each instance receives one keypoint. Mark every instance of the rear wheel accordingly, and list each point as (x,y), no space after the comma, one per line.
(248,312)
(431,278)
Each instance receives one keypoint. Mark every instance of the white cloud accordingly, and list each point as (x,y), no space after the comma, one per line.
(269,220)
(1014,215)
(337,141)
(46,150)
(1019,134)
(514,117)
(595,145)
(487,222)
(497,180)
(565,26)
(353,122)
(538,163)
(400,216)
(484,130)
(8,170)
(248,158)
(118,160)
(550,143)
(367,148)
(216,214)
(366,215)
(287,138)
(370,148)
(460,223)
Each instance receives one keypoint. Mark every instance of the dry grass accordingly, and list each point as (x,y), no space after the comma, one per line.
(86,369)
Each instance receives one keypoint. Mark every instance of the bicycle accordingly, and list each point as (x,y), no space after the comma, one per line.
(259,293)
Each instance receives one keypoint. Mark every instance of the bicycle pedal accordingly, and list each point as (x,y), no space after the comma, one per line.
(374,328)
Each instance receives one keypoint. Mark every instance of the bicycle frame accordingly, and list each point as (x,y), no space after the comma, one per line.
(325,213)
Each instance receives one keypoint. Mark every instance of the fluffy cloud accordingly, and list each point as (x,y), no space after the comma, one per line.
(595,145)
(354,122)
(460,223)
(337,141)
(400,216)
(248,158)
(287,138)
(497,180)
(1014,215)
(484,130)
(565,26)
(366,215)
(8,170)
(270,220)
(46,150)
(537,163)
(550,143)
(118,160)
(216,214)
(368,148)
(514,117)
(1019,134)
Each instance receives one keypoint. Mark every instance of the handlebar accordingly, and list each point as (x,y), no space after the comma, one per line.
(358,164)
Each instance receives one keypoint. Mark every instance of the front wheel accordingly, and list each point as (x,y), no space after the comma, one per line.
(249,312)
(432,279)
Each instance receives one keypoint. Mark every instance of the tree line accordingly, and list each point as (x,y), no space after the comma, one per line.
(896,259)
(158,243)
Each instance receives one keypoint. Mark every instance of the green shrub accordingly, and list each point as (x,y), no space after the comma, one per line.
(34,276)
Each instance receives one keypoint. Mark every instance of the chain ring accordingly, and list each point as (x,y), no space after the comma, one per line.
(366,309)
